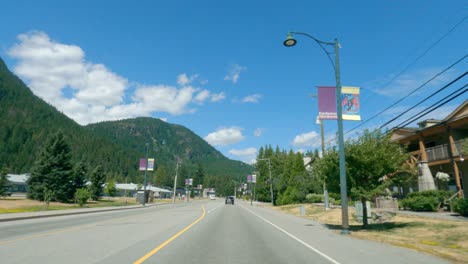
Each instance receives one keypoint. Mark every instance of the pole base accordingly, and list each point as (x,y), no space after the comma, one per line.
(344,232)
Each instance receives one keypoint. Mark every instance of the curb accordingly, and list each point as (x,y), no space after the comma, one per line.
(75,213)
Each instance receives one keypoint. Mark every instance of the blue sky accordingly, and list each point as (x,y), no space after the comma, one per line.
(220,68)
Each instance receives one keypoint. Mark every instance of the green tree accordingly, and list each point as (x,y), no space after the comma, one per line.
(110,188)
(52,173)
(80,175)
(371,157)
(82,196)
(199,175)
(4,183)
(97,178)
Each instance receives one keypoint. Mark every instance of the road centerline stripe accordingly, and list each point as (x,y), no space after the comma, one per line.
(293,237)
(165,243)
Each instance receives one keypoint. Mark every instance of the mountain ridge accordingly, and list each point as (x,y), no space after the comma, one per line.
(27,120)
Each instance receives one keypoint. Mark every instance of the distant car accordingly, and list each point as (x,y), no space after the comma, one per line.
(230,200)
(212,197)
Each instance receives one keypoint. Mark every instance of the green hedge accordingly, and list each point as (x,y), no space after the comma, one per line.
(314,198)
(460,206)
(420,203)
(425,201)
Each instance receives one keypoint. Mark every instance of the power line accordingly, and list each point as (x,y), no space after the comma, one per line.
(404,97)
(433,106)
(424,53)
(427,98)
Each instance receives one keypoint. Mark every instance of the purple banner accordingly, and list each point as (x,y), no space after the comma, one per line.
(327,102)
(142,164)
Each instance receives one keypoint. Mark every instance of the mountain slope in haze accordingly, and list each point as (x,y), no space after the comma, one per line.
(26,121)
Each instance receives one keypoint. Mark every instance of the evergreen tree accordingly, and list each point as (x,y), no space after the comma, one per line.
(52,173)
(4,183)
(110,188)
(80,175)
(199,175)
(97,179)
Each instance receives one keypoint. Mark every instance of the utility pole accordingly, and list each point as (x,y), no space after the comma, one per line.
(175,181)
(325,191)
(146,169)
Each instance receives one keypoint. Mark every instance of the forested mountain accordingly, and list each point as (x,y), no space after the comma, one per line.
(166,143)
(26,121)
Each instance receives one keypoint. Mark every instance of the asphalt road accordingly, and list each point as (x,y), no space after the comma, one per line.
(199,232)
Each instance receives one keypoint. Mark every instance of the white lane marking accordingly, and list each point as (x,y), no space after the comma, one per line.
(215,208)
(295,238)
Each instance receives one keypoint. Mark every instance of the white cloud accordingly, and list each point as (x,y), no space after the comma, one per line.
(225,136)
(252,98)
(183,79)
(310,139)
(259,132)
(406,83)
(97,93)
(243,152)
(247,155)
(205,95)
(234,73)
(202,96)
(218,97)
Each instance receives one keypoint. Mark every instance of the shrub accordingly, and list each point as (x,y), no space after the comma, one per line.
(82,196)
(420,203)
(438,194)
(460,206)
(314,198)
(337,202)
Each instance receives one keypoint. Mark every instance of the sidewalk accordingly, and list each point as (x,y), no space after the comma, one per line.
(52,213)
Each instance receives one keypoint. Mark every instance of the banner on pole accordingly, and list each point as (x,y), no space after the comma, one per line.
(254,178)
(249,178)
(327,102)
(350,103)
(142,164)
(150,164)
(188,181)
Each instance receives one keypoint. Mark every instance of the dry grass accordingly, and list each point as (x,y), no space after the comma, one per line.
(21,204)
(440,237)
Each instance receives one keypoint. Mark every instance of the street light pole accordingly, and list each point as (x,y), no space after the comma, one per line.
(175,181)
(289,42)
(144,183)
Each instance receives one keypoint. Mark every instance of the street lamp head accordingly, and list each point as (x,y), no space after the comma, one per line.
(290,41)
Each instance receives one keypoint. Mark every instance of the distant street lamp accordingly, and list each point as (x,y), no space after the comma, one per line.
(271,181)
(289,42)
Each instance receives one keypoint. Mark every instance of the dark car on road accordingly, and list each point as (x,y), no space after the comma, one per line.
(230,199)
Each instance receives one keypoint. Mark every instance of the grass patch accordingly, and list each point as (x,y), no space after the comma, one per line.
(439,237)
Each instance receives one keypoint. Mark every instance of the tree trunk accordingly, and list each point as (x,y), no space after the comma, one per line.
(364,212)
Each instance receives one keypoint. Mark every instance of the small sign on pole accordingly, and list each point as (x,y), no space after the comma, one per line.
(188,181)
(254,178)
(249,178)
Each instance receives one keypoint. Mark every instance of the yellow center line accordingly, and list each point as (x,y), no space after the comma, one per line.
(165,243)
